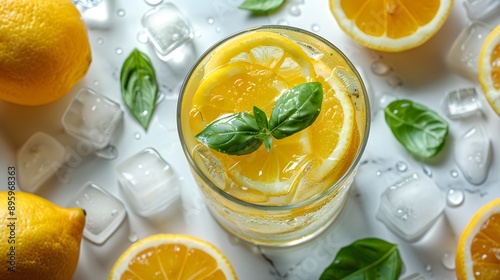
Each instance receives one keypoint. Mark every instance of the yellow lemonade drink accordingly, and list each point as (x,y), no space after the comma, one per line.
(274,190)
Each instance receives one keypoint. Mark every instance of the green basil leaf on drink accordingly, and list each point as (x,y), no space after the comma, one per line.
(139,86)
(262,122)
(235,134)
(296,109)
(420,130)
(261,6)
(369,258)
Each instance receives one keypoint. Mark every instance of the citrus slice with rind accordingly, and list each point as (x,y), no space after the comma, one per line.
(391,25)
(268,49)
(172,256)
(478,249)
(489,68)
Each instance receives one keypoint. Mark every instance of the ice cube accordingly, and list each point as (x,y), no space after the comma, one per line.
(148,182)
(167,29)
(92,117)
(463,55)
(462,103)
(104,212)
(39,158)
(472,155)
(410,207)
(479,9)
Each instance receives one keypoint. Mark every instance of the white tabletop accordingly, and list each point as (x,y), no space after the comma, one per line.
(425,79)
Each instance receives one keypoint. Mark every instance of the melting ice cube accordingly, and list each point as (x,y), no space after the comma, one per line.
(104,212)
(167,29)
(472,155)
(464,53)
(39,158)
(478,9)
(410,207)
(92,117)
(148,182)
(462,103)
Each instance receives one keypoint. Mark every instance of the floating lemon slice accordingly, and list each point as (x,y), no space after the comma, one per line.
(391,25)
(478,249)
(489,68)
(172,256)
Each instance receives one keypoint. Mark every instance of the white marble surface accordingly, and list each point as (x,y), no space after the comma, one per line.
(425,79)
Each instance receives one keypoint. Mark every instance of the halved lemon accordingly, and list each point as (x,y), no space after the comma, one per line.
(172,256)
(489,68)
(478,249)
(391,25)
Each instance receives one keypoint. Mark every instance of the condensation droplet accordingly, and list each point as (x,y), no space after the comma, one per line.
(120,12)
(160,98)
(197,34)
(428,268)
(315,27)
(137,136)
(454,173)
(401,166)
(380,68)
(455,197)
(119,51)
(96,83)
(100,41)
(114,212)
(448,261)
(394,81)
(133,237)
(294,11)
(153,2)
(217,29)
(210,20)
(427,171)
(142,37)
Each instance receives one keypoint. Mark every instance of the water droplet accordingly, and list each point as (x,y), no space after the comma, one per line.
(282,22)
(454,173)
(217,29)
(153,2)
(114,212)
(394,81)
(100,41)
(133,237)
(455,197)
(210,20)
(448,261)
(119,51)
(294,10)
(108,152)
(427,171)
(401,166)
(315,27)
(120,12)
(380,68)
(137,136)
(378,173)
(142,37)
(160,98)
(96,83)
(197,34)
(428,268)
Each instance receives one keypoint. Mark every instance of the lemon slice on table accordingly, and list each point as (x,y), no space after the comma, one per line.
(391,25)
(172,256)
(478,249)
(271,50)
(489,68)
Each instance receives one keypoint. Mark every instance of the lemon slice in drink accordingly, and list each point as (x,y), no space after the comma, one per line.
(271,50)
(489,68)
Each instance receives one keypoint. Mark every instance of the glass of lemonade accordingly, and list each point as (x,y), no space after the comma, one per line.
(290,190)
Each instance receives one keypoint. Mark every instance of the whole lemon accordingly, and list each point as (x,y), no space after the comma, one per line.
(38,239)
(44,50)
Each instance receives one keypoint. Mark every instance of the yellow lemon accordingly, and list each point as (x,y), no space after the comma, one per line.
(489,68)
(391,25)
(44,50)
(172,256)
(40,240)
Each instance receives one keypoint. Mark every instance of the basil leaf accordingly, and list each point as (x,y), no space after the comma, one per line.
(369,258)
(261,118)
(296,109)
(139,86)
(421,131)
(235,134)
(261,6)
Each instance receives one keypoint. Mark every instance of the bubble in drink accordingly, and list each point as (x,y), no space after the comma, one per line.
(472,155)
(410,207)
(39,158)
(148,182)
(211,165)
(464,53)
(167,29)
(479,9)
(104,212)
(92,117)
(462,103)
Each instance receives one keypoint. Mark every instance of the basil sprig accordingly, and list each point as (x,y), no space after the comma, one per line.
(243,133)
(139,86)
(369,258)
(421,131)
(261,6)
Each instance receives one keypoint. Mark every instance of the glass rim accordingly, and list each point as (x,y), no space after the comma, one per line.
(291,206)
